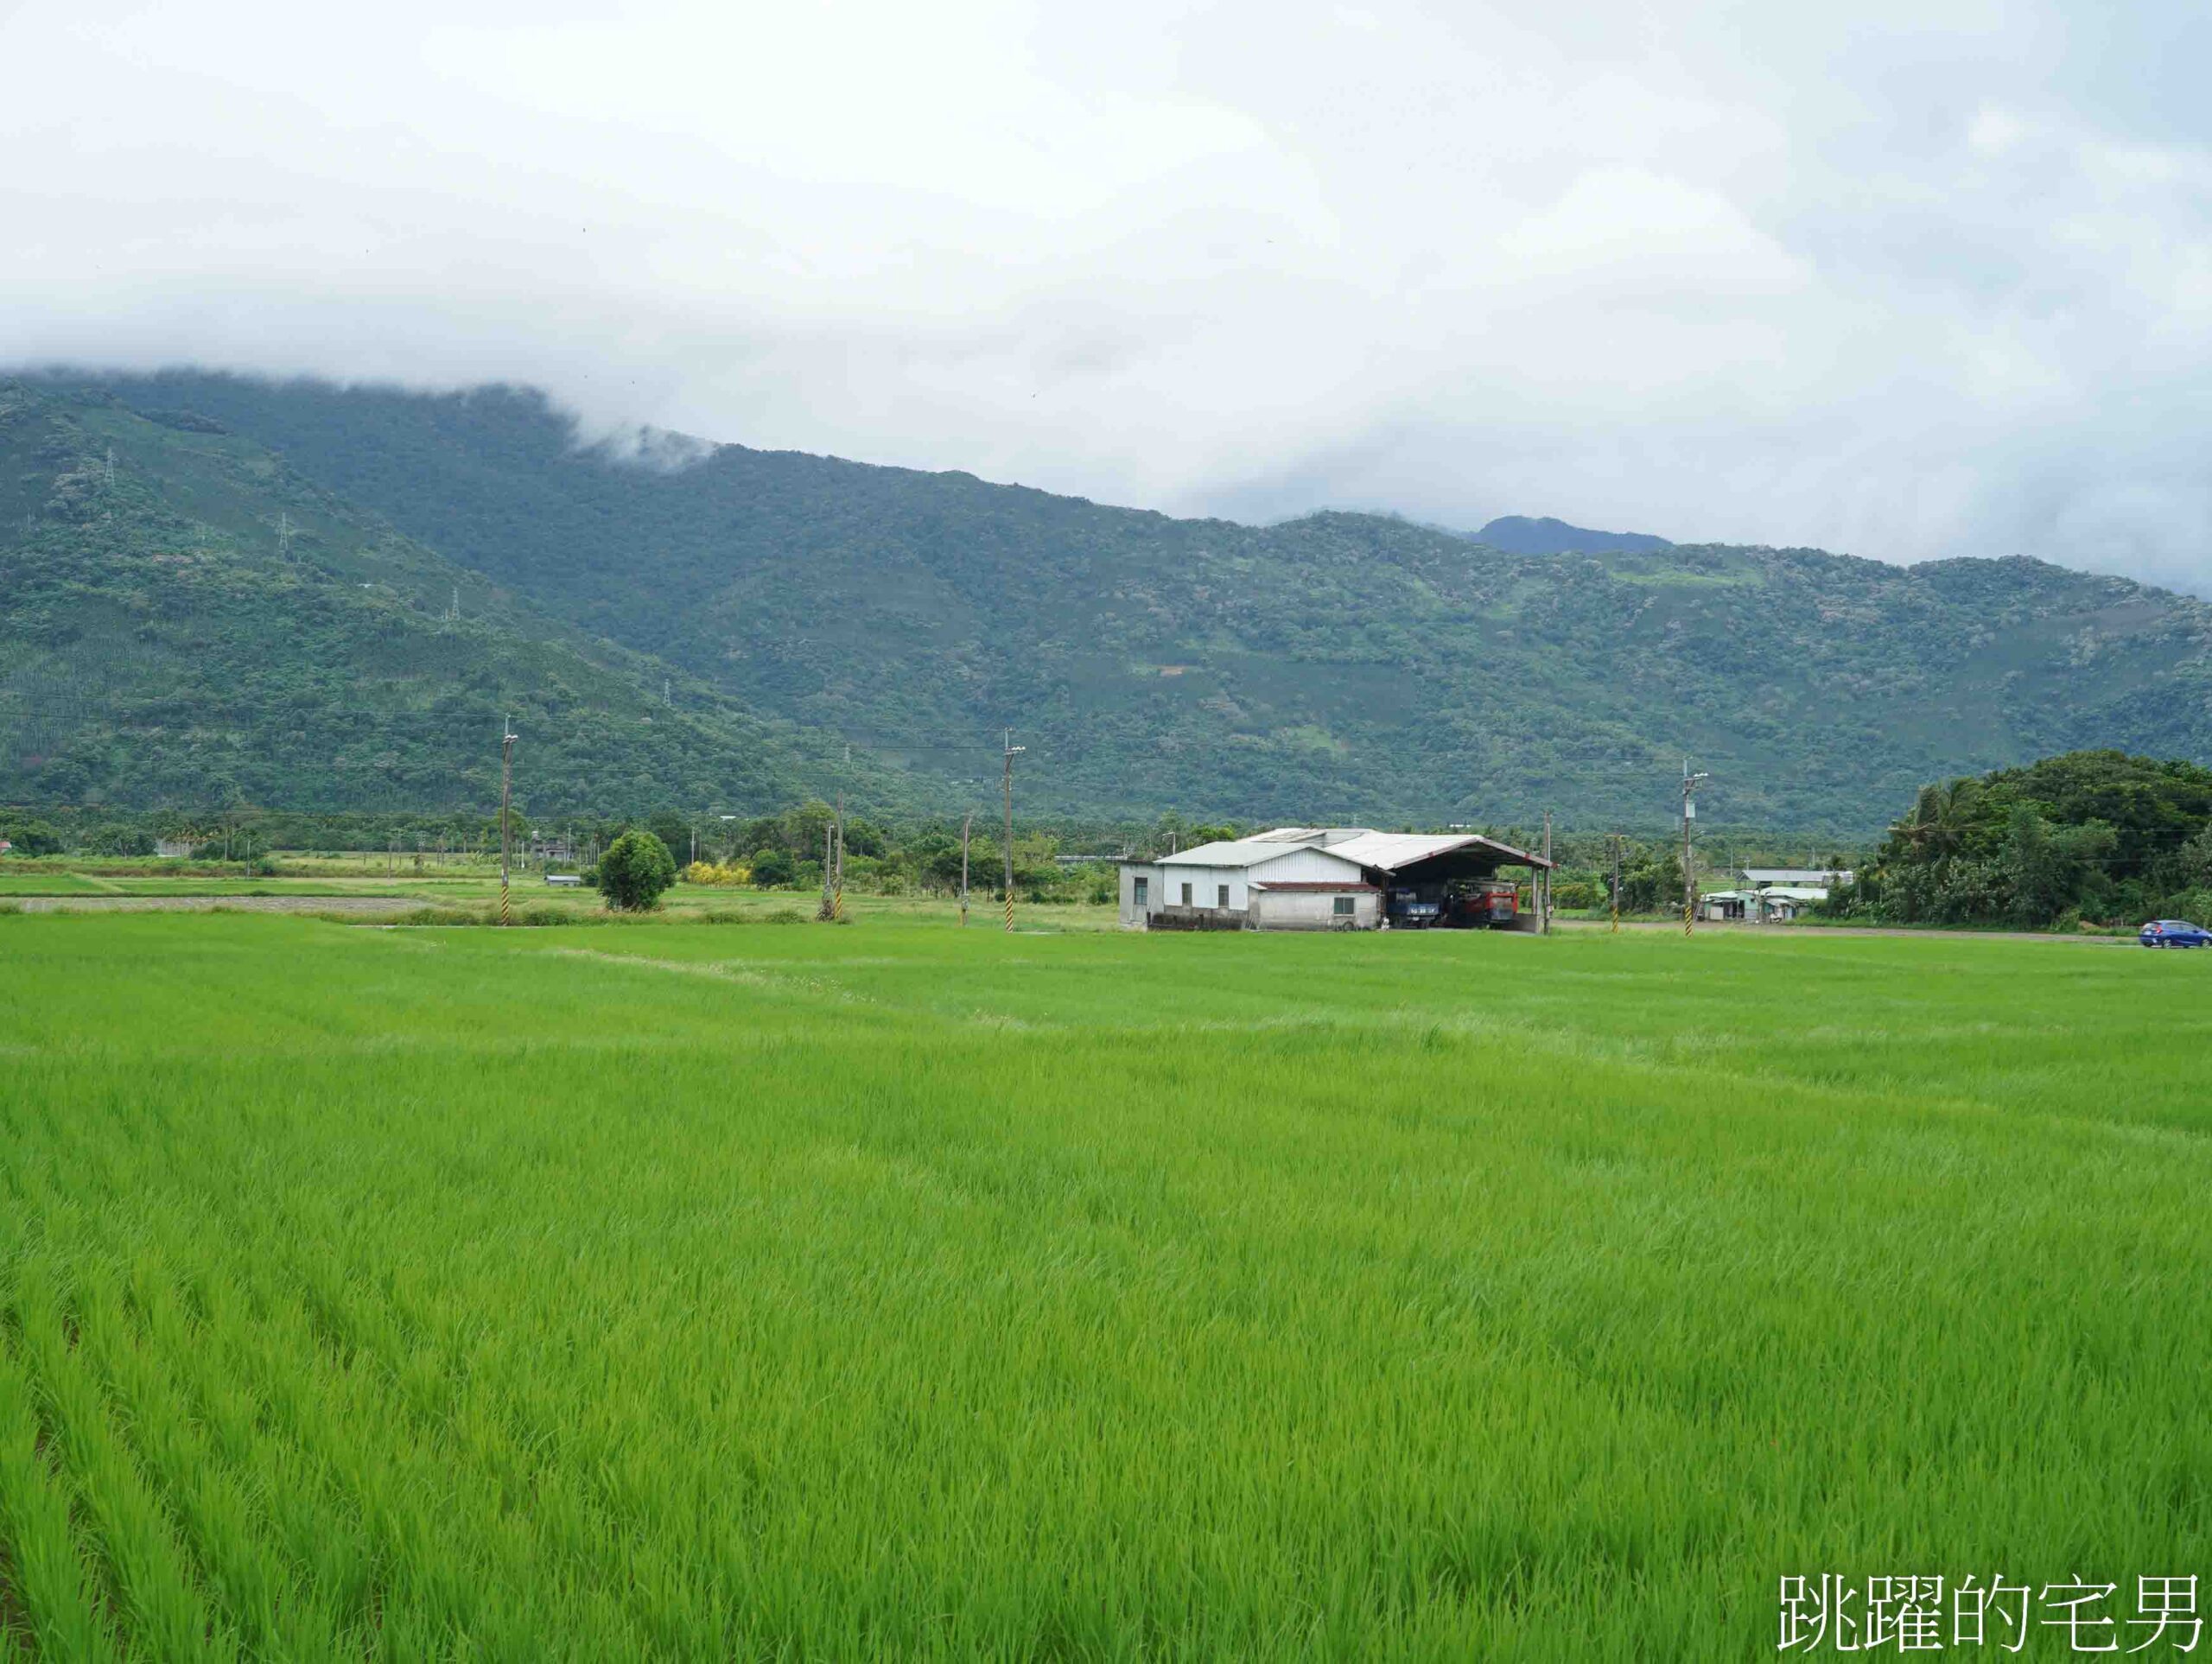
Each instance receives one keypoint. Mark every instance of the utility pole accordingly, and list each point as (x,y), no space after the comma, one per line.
(1012,750)
(507,782)
(837,894)
(826,911)
(1545,916)
(965,821)
(1615,841)
(1689,819)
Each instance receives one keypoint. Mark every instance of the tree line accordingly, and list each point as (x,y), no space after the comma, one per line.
(2096,836)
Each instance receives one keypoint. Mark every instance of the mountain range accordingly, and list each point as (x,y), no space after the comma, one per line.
(1516,534)
(301,593)
(187,622)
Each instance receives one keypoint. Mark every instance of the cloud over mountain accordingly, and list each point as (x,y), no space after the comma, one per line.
(1911,282)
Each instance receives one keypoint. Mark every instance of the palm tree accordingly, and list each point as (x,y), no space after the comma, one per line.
(1936,828)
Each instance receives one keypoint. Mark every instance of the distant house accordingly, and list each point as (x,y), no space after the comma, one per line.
(1812,878)
(1309,878)
(174,849)
(1767,895)
(1781,904)
(1775,904)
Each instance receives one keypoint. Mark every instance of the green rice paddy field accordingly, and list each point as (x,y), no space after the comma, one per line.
(778,1291)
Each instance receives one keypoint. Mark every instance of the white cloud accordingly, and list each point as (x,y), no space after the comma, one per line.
(1920,280)
(1995,131)
(1629,226)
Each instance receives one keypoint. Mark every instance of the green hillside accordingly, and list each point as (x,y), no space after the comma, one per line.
(185,620)
(1341,666)
(1517,534)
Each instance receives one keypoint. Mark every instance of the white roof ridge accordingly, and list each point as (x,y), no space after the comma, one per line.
(1235,852)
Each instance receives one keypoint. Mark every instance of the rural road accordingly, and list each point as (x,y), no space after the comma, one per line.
(1734,928)
(208,904)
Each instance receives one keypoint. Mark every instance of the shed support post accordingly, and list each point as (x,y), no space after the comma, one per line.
(1547,914)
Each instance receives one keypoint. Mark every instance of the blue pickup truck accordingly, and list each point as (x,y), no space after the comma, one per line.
(1410,910)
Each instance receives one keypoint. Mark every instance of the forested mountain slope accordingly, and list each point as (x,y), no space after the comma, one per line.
(1516,534)
(186,621)
(1337,667)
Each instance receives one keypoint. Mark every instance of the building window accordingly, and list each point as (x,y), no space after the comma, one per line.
(1186,895)
(1344,906)
(1142,891)
(1224,902)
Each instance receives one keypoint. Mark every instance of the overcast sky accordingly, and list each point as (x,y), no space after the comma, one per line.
(1909,280)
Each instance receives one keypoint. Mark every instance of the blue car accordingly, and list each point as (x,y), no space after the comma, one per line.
(2175,933)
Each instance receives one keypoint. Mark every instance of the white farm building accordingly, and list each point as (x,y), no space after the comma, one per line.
(1344,878)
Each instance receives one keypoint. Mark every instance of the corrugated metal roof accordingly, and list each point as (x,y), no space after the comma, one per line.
(1392,850)
(1244,852)
(1387,850)
(1323,836)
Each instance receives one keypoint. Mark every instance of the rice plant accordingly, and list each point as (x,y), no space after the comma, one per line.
(906,1292)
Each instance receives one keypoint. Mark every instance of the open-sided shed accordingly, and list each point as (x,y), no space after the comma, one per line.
(1447,878)
(1327,877)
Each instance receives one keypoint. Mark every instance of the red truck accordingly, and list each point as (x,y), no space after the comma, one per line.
(1486,904)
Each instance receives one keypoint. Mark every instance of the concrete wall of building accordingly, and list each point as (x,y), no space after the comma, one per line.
(1314,909)
(1133,911)
(1201,886)
(1164,882)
